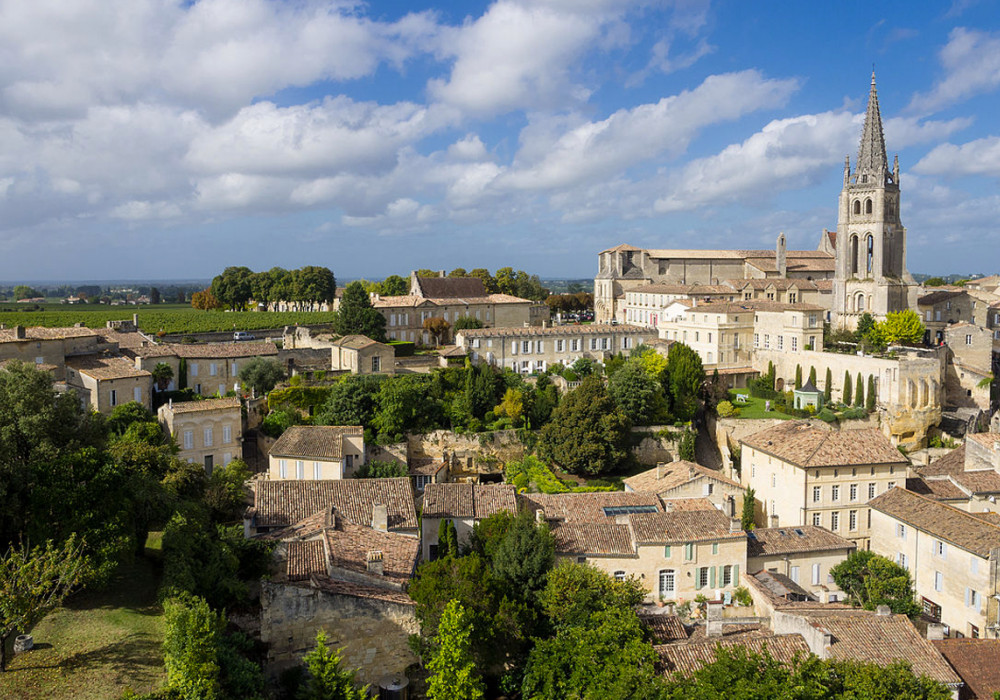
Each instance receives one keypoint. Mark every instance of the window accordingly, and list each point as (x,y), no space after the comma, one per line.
(973,631)
(612,511)
(715,548)
(793,573)
(317,470)
(283,468)
(574,345)
(835,493)
(667,583)
(781,342)
(938,580)
(213,369)
(973,599)
(208,437)
(114,397)
(817,493)
(525,346)
(593,343)
(795,344)
(852,520)
(973,566)
(702,576)
(968,339)
(767,341)
(834,521)
(194,369)
(376,363)
(666,552)
(871,491)
(774,480)
(188,439)
(227,434)
(689,552)
(853,492)
(756,340)
(940,548)
(891,485)
(348,462)
(817,519)
(901,531)
(815,574)
(300,469)
(560,345)
(619,575)
(901,560)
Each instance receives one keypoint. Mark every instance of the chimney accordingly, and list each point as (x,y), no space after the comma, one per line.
(661,468)
(713,620)
(935,630)
(376,566)
(380,519)
(135,320)
(170,404)
(669,505)
(442,273)
(735,525)
(330,517)
(780,262)
(883,611)
(20,333)
(540,515)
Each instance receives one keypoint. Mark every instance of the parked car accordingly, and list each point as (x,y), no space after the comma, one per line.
(243,335)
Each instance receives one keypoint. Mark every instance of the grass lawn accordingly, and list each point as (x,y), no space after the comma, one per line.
(754,407)
(96,645)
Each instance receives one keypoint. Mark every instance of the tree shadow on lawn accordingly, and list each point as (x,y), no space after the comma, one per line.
(136,660)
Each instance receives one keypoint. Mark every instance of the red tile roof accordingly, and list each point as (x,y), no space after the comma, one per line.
(281,503)
(664,628)
(805,445)
(476,501)
(977,661)
(685,659)
(105,368)
(314,441)
(594,539)
(670,476)
(683,526)
(767,541)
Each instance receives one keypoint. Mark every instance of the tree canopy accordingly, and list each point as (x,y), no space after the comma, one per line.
(870,580)
(356,315)
(261,374)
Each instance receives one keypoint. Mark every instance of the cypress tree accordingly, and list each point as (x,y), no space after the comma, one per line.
(452,539)
(870,397)
(812,376)
(828,388)
(798,376)
(859,391)
(847,388)
(443,540)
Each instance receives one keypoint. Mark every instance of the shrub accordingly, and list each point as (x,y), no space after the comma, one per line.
(725,409)
(402,348)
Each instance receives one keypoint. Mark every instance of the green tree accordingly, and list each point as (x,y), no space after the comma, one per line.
(522,558)
(352,401)
(488,281)
(467,322)
(686,378)
(511,406)
(812,376)
(23,291)
(205,301)
(162,375)
(381,469)
(846,400)
(870,580)
(828,386)
(356,315)
(261,374)
(870,396)
(866,324)
(124,415)
(859,391)
(226,493)
(902,327)
(935,282)
(453,668)
(588,434)
(154,295)
(232,287)
(33,582)
(636,393)
(484,388)
(327,679)
(798,376)
(687,447)
(747,521)
(394,286)
(447,539)
(402,407)
(575,592)
(314,284)
(438,328)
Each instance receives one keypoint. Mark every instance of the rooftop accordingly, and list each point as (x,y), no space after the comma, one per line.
(595,539)
(207,351)
(319,441)
(977,661)
(280,503)
(355,342)
(674,474)
(448,287)
(475,501)
(664,628)
(804,445)
(105,368)
(570,330)
(231,402)
(683,526)
(940,520)
(768,541)
(9,335)
(574,508)
(686,659)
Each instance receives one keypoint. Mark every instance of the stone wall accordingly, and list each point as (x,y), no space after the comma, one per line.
(372,632)
(469,454)
(653,449)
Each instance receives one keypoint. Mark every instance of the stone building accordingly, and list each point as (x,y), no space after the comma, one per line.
(208,368)
(805,474)
(971,366)
(952,555)
(683,479)
(871,242)
(464,505)
(532,349)
(105,381)
(317,452)
(208,432)
(362,355)
(805,554)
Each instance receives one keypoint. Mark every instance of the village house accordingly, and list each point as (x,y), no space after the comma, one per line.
(317,452)
(968,477)
(942,307)
(952,555)
(104,382)
(805,554)
(279,503)
(683,479)
(359,354)
(804,473)
(51,346)
(464,505)
(532,349)
(207,368)
(971,364)
(208,432)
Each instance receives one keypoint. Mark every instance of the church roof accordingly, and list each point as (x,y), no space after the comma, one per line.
(871,151)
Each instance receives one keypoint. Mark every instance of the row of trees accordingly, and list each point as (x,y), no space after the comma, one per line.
(506,280)
(580,301)
(898,328)
(236,286)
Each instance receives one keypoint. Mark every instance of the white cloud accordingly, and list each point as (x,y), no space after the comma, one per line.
(971,60)
(979,157)
(141,210)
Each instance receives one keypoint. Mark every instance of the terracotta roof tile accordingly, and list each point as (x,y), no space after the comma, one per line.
(587,507)
(349,546)
(597,539)
(357,590)
(802,444)
(950,463)
(766,541)
(977,661)
(664,628)
(570,330)
(940,520)
(674,474)
(9,335)
(683,526)
(104,368)
(355,342)
(205,405)
(305,559)
(449,287)
(476,501)
(940,488)
(987,440)
(208,351)
(280,503)
(320,441)
(686,659)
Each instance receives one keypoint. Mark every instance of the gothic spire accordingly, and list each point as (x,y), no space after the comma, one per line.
(872,165)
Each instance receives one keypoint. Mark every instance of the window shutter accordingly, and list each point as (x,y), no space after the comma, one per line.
(966,597)
(711,577)
(736,575)
(697,584)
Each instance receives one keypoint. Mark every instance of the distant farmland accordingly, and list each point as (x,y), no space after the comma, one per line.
(169,318)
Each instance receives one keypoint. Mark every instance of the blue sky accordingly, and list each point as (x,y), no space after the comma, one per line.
(159,139)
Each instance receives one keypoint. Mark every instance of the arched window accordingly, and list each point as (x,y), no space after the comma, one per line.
(859,302)
(869,253)
(854,255)
(857,206)
(868,206)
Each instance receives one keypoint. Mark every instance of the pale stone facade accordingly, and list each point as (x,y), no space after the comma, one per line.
(207,432)
(682,479)
(361,355)
(209,368)
(803,473)
(972,364)
(316,453)
(804,554)
(531,349)
(106,382)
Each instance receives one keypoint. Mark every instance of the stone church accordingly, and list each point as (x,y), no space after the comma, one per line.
(865,258)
